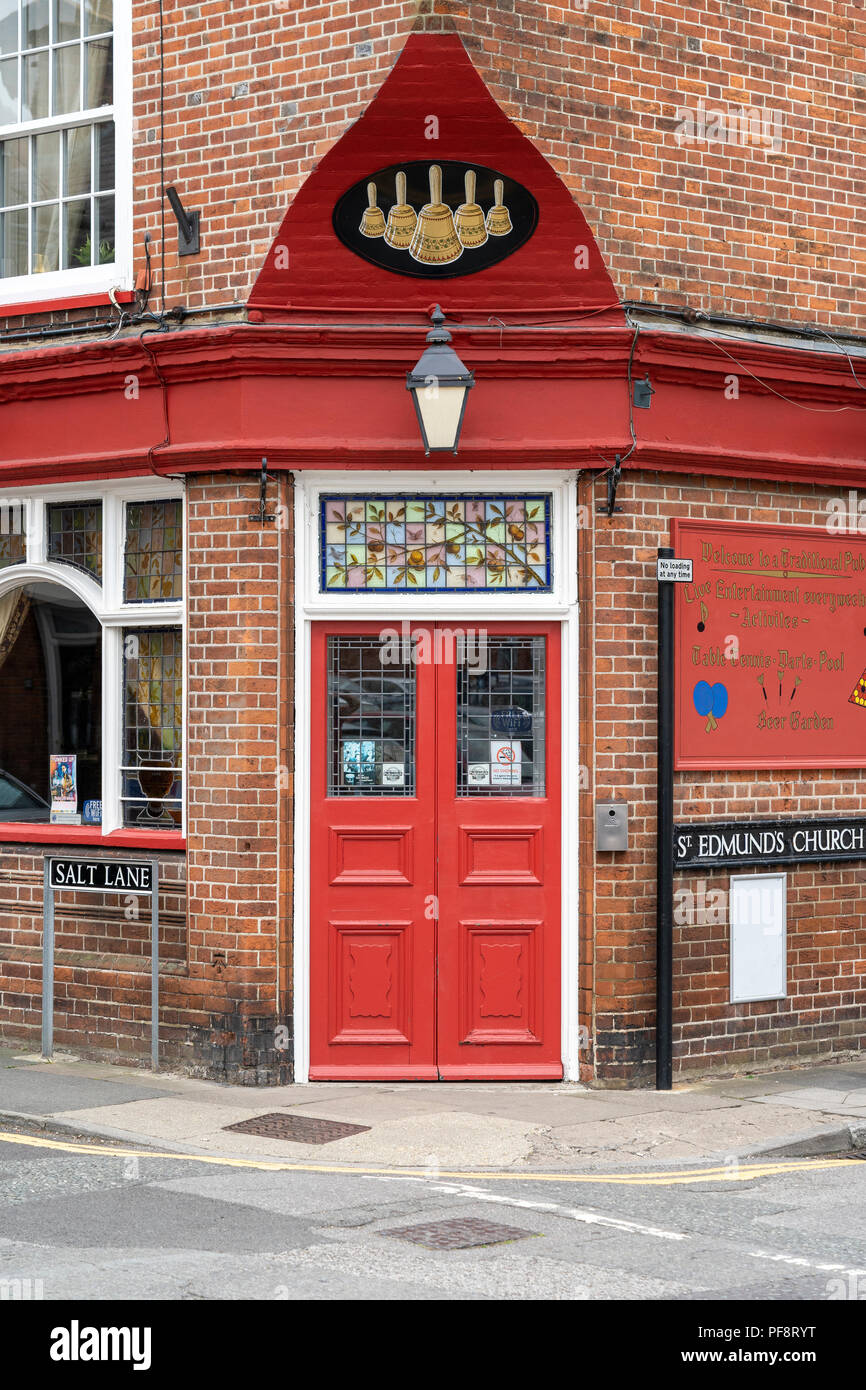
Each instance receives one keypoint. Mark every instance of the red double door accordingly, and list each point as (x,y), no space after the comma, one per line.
(435,859)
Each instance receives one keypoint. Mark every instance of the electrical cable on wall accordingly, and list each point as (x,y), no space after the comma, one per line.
(161,156)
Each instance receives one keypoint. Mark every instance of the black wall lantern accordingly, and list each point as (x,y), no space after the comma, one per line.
(439,384)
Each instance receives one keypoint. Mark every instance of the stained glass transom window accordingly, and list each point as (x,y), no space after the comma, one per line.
(75,535)
(426,542)
(154,551)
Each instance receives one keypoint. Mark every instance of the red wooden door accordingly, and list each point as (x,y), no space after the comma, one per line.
(498,849)
(435,860)
(373,928)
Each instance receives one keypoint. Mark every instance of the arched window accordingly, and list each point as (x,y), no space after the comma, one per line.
(91,658)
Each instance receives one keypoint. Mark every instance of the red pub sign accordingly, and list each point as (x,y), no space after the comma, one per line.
(770,647)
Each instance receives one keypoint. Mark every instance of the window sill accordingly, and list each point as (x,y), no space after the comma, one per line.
(59,302)
(36,833)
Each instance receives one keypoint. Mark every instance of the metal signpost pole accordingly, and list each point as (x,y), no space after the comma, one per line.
(154,965)
(47,963)
(98,876)
(665,832)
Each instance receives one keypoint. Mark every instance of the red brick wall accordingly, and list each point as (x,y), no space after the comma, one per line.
(826,1011)
(741,229)
(744,229)
(256,94)
(102,962)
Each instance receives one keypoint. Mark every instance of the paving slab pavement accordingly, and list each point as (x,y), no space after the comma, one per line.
(451,1126)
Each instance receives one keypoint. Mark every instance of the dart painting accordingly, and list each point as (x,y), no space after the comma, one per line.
(770,647)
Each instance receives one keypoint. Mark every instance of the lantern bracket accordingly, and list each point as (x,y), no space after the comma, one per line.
(613,475)
(263,515)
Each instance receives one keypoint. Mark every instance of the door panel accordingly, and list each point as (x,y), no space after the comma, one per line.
(435,789)
(372,961)
(499,855)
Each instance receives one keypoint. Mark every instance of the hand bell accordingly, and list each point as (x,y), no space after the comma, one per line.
(469,218)
(498,218)
(373,221)
(401,218)
(434,241)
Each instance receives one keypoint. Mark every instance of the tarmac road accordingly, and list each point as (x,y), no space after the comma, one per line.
(83,1219)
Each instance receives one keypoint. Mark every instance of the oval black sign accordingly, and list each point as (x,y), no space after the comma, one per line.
(435,219)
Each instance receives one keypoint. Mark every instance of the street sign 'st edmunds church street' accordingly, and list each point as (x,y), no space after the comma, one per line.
(442,326)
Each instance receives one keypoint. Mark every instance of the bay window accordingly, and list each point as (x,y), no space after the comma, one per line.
(92,658)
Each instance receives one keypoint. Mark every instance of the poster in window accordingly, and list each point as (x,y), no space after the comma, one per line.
(359,762)
(63,780)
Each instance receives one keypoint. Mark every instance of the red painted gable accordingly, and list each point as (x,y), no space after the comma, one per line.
(434,77)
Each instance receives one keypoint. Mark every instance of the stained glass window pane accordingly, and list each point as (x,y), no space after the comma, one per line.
(153,728)
(13,538)
(154,551)
(429,543)
(75,535)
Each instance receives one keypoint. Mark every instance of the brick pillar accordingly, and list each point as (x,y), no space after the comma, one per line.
(238,780)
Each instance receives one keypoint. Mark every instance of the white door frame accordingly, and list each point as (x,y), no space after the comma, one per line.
(560,605)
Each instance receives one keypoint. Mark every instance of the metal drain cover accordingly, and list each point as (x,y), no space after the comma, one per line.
(460,1234)
(300,1129)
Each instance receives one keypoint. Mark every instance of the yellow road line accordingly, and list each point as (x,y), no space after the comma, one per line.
(734,1172)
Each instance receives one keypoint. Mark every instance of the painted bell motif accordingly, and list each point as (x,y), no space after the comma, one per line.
(435,241)
(498,218)
(373,221)
(469,217)
(401,219)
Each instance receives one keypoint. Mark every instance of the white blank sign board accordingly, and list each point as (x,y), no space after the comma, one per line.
(759,955)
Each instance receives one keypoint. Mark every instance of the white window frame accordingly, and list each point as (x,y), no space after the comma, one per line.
(107,604)
(312,487)
(557,604)
(86,281)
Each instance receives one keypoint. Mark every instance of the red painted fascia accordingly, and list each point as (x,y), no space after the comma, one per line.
(685,431)
(376,349)
(30,834)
